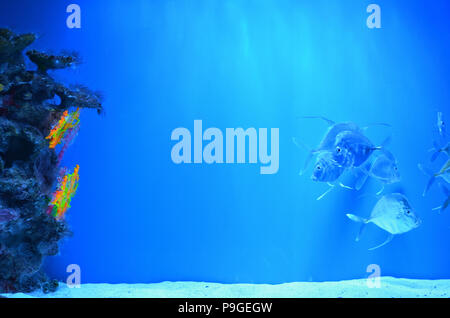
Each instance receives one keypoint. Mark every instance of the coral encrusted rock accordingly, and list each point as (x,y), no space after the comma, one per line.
(28,167)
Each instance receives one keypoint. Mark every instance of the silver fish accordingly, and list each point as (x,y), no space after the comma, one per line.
(351,149)
(326,168)
(441,124)
(383,168)
(443,173)
(392,213)
(327,143)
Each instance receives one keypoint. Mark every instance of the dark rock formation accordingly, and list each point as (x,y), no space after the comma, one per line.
(28,167)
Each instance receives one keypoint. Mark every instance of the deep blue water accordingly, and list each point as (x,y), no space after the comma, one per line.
(138,217)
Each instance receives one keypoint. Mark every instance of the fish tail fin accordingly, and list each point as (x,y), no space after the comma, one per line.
(300,144)
(361,220)
(390,237)
(361,175)
(311,152)
(436,151)
(361,181)
(429,184)
(361,229)
(305,165)
(435,154)
(427,172)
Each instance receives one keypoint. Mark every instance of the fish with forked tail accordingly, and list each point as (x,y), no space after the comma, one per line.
(329,140)
(352,149)
(443,173)
(327,143)
(392,213)
(327,170)
(383,168)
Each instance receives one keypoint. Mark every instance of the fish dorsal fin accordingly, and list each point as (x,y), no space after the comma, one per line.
(384,143)
(388,155)
(328,121)
(376,124)
(389,238)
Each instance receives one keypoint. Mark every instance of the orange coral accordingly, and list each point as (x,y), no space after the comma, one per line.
(64,194)
(67,123)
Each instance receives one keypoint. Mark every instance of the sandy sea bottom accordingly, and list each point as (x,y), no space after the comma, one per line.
(389,287)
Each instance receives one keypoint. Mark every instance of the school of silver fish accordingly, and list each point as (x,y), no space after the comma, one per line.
(345,147)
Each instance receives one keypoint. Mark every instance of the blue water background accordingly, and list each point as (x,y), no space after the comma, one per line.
(138,217)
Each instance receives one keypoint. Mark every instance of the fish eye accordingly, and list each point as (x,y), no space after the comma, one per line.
(318,168)
(408,211)
(338,149)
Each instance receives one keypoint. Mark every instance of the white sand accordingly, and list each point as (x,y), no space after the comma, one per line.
(390,287)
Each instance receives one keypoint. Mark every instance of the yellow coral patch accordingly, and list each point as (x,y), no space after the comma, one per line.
(67,121)
(64,193)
